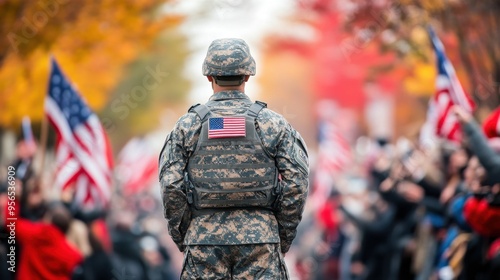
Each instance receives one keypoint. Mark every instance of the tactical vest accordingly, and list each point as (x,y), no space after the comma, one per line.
(227,171)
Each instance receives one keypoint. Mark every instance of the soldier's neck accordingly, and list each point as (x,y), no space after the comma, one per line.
(218,88)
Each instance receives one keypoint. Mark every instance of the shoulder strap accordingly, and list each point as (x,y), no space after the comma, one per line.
(200,109)
(255,109)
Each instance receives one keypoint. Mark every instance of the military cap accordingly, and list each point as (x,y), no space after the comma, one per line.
(228,57)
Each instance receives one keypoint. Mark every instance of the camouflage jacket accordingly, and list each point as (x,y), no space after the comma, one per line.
(241,226)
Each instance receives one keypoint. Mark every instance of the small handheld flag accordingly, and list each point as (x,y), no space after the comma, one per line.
(449,92)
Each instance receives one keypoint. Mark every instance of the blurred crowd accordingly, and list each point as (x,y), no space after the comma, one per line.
(402,210)
(409,211)
(55,239)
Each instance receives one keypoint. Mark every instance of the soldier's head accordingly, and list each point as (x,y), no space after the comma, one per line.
(228,63)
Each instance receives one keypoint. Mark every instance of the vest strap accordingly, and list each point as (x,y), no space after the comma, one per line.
(255,109)
(201,110)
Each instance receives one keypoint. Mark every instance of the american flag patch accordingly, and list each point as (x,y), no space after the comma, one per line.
(226,127)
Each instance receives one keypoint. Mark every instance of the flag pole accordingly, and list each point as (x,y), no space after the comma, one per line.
(43,137)
(43,145)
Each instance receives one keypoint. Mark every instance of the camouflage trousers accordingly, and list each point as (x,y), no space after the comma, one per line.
(254,261)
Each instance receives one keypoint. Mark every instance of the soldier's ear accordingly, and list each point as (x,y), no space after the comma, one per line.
(210,78)
(247,77)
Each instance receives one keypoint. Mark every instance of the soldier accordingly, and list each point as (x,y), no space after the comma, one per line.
(234,177)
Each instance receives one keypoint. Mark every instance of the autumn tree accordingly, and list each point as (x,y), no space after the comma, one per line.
(469,30)
(94,42)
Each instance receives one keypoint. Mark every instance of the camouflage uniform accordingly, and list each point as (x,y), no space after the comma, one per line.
(238,243)
(253,261)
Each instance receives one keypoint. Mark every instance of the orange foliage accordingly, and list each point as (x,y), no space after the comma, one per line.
(93,41)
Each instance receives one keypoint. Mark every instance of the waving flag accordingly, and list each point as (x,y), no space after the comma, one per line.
(83,153)
(449,92)
(137,166)
(334,157)
(334,149)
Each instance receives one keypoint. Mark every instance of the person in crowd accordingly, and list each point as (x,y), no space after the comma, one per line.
(156,258)
(478,143)
(97,265)
(127,256)
(46,252)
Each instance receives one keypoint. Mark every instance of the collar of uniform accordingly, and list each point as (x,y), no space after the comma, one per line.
(228,94)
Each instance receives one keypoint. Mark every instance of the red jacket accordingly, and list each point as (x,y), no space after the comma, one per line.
(46,254)
(483,219)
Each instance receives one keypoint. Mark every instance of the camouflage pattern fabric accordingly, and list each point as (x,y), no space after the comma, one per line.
(262,261)
(228,57)
(232,172)
(241,226)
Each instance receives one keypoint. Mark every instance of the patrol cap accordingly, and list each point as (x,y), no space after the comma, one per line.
(228,57)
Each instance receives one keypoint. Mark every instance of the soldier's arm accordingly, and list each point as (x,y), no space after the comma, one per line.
(173,159)
(292,162)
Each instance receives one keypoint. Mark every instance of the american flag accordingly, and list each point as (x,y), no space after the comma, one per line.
(334,156)
(83,154)
(226,127)
(334,149)
(137,165)
(449,92)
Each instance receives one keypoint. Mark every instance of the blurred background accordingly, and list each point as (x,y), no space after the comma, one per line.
(354,77)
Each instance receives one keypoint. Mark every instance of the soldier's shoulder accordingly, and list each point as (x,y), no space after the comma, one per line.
(268,115)
(189,120)
(272,124)
(189,116)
